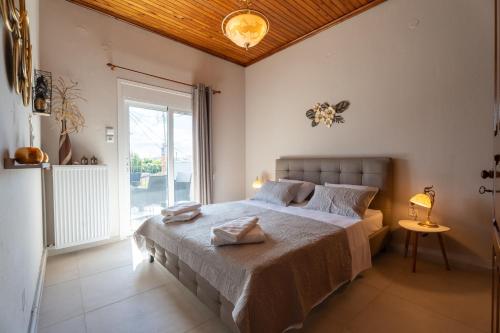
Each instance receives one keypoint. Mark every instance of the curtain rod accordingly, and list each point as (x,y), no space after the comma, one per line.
(113,67)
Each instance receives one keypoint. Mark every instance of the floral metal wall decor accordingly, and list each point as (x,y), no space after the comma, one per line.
(327,114)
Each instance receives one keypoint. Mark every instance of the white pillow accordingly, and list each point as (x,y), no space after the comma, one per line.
(357,187)
(305,189)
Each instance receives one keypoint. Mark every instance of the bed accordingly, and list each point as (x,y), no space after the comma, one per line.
(307,255)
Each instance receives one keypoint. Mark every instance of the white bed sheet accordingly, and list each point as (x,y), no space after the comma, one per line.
(372,221)
(356,231)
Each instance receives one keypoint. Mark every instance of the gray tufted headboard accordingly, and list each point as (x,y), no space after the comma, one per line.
(370,171)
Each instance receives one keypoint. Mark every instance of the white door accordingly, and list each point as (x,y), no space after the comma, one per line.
(155,139)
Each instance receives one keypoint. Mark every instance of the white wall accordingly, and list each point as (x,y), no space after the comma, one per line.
(20,197)
(76,43)
(422,95)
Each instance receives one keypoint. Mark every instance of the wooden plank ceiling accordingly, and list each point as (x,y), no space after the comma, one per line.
(198,22)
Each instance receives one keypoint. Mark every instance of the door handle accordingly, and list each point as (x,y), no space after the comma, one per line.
(485,174)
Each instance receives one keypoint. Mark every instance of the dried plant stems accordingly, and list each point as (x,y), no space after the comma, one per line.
(65,108)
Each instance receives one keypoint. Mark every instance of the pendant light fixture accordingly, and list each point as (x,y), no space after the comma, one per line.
(245,27)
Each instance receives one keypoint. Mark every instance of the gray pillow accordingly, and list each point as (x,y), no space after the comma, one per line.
(277,193)
(341,201)
(356,187)
(305,189)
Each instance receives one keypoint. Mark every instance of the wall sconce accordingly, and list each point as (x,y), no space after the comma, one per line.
(257,183)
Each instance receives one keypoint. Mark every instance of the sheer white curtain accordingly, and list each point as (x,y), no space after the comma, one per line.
(202,131)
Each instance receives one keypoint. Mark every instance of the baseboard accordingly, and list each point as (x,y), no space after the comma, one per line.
(35,309)
(455,260)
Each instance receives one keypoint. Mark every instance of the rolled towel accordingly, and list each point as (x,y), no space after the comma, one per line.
(234,230)
(180,207)
(182,217)
(255,235)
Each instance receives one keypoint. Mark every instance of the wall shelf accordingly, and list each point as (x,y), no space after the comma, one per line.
(10,163)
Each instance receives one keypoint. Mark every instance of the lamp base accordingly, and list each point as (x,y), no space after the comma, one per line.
(428,224)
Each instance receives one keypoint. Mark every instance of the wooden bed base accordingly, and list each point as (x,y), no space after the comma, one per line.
(379,240)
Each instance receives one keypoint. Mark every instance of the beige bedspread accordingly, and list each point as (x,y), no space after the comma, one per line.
(273,285)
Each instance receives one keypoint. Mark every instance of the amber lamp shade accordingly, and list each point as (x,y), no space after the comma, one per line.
(422,200)
(425,200)
(245,28)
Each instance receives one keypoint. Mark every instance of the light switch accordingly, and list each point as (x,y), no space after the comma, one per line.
(110,134)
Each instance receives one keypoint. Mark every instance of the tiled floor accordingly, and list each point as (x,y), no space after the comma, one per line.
(98,290)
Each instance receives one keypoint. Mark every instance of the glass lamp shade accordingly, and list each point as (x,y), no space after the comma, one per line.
(427,201)
(257,183)
(422,200)
(245,28)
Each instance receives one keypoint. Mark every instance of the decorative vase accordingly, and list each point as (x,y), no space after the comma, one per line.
(65,157)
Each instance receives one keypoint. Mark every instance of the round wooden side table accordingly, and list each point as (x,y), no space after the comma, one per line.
(412,227)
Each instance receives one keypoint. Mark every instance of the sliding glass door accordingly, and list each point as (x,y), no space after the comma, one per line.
(157,160)
(182,156)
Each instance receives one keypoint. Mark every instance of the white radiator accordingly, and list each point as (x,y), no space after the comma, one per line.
(81,204)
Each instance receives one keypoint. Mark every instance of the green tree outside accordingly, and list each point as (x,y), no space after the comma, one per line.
(146,165)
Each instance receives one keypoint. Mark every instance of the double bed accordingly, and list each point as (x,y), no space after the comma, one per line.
(307,254)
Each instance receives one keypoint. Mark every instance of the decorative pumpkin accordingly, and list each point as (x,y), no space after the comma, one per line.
(29,155)
(41,104)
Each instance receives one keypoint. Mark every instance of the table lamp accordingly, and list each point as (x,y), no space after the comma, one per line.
(257,183)
(426,200)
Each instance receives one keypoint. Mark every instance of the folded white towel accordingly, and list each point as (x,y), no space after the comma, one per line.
(180,207)
(255,235)
(182,217)
(234,230)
